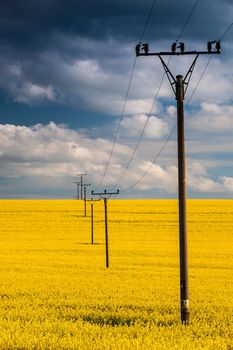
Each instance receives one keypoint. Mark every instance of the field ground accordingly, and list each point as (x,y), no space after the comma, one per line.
(55,292)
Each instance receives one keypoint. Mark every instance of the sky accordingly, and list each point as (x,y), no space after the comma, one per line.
(67,105)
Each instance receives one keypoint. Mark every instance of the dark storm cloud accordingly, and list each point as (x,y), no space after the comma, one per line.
(73,52)
(31,22)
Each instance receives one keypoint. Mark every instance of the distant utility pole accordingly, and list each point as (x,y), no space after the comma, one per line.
(92,202)
(77,183)
(105,196)
(81,184)
(85,198)
(179,86)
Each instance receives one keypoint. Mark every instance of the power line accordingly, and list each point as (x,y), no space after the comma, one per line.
(126,97)
(142,132)
(199,80)
(118,127)
(148,20)
(208,62)
(226,31)
(188,19)
(153,161)
(155,99)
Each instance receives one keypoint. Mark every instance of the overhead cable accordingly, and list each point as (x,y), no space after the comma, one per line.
(126,97)
(118,127)
(187,20)
(141,135)
(226,31)
(153,161)
(148,19)
(155,99)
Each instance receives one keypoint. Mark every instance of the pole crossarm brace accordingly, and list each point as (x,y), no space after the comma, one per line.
(92,201)
(104,194)
(172,79)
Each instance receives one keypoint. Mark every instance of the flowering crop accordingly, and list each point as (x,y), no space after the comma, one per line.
(55,292)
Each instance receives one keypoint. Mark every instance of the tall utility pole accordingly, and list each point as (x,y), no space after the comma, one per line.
(105,196)
(81,184)
(92,202)
(179,86)
(85,198)
(78,184)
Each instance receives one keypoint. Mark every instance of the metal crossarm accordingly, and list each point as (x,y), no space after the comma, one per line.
(104,194)
(170,53)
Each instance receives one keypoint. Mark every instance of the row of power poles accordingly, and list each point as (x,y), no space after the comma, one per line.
(82,194)
(81,186)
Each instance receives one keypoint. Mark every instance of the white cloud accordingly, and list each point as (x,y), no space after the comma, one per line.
(163,178)
(201,184)
(216,84)
(200,181)
(51,149)
(227,183)
(154,127)
(31,93)
(171,111)
(213,117)
(55,151)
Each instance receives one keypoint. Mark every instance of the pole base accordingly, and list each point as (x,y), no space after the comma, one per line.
(185,316)
(184,311)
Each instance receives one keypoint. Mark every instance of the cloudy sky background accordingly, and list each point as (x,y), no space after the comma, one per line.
(65,67)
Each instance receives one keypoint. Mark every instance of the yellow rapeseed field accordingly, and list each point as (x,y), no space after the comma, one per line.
(56,293)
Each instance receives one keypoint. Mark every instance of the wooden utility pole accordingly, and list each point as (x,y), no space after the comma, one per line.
(85,198)
(92,202)
(179,86)
(105,196)
(78,184)
(184,285)
(81,184)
